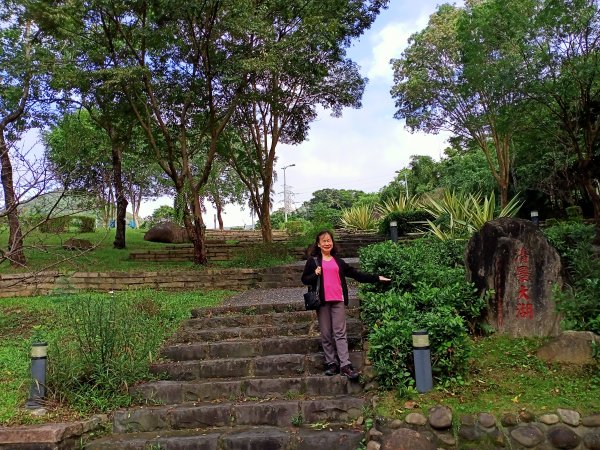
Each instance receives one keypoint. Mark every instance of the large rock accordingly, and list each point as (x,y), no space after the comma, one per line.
(406,439)
(515,260)
(167,232)
(77,244)
(573,347)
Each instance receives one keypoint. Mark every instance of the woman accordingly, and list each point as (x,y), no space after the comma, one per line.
(334,297)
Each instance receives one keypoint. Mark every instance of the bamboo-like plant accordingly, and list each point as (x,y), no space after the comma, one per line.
(358,218)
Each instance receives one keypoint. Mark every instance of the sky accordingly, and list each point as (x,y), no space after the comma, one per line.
(362,149)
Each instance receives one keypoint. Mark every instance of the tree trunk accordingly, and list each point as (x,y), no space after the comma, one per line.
(220,215)
(503,195)
(117,159)
(197,230)
(265,217)
(15,237)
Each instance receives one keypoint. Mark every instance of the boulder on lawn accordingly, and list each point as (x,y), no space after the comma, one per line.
(572,347)
(513,258)
(77,244)
(168,233)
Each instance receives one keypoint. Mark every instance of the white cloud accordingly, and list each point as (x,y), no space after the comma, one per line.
(389,43)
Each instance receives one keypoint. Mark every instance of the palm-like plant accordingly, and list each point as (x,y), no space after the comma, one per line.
(400,204)
(464,214)
(359,218)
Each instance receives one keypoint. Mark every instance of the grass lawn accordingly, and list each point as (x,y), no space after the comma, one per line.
(44,251)
(505,376)
(23,320)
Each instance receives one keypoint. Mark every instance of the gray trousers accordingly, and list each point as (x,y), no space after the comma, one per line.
(332,323)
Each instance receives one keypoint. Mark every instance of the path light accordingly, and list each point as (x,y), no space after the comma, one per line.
(535,217)
(394,230)
(422,359)
(37,393)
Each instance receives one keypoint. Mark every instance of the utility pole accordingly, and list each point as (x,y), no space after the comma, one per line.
(285,194)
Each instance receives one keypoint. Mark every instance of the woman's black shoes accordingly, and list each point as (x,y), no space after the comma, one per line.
(348,371)
(332,369)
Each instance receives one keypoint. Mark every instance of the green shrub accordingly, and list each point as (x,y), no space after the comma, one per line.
(428,291)
(260,255)
(87,225)
(579,301)
(408,222)
(296,227)
(574,213)
(358,218)
(55,225)
(105,346)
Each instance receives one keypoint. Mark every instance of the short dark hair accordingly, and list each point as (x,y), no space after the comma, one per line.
(314,248)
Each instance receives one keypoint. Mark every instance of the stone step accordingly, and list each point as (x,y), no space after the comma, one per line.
(245,348)
(260,366)
(281,413)
(265,308)
(250,438)
(211,334)
(246,320)
(172,392)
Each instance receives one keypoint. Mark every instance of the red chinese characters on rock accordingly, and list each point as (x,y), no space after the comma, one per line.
(524,306)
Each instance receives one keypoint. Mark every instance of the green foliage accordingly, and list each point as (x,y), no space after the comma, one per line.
(296,227)
(107,342)
(407,221)
(401,203)
(460,215)
(55,225)
(84,224)
(574,212)
(161,214)
(579,301)
(428,291)
(260,255)
(72,375)
(358,218)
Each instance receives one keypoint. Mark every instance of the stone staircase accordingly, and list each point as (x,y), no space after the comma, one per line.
(246,378)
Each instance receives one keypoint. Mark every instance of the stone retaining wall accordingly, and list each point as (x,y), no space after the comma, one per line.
(560,429)
(13,285)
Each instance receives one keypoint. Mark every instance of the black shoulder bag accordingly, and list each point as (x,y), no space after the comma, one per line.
(312,299)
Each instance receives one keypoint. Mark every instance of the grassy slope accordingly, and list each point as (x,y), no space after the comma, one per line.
(22,318)
(44,251)
(506,377)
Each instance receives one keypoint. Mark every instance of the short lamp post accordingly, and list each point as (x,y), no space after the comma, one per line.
(394,231)
(535,218)
(422,359)
(37,393)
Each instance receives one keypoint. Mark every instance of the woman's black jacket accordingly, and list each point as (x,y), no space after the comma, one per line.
(309,276)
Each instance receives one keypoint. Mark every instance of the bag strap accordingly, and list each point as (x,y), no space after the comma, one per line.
(319,277)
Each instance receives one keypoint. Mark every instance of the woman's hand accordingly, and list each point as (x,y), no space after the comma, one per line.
(318,271)
(382,278)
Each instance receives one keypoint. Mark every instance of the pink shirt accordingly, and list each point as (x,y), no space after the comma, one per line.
(331,282)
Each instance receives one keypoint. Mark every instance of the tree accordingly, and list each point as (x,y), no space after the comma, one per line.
(306,68)
(462,73)
(563,62)
(79,153)
(185,66)
(81,156)
(24,64)
(223,187)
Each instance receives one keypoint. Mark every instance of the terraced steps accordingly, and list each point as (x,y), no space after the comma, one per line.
(255,438)
(242,378)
